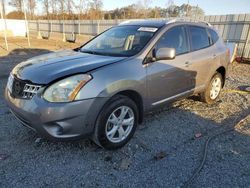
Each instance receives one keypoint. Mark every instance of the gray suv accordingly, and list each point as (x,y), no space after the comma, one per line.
(102,89)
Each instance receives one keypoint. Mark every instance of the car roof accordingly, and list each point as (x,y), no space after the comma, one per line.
(163,22)
(146,23)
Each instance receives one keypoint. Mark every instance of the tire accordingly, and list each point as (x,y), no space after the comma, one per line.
(109,125)
(213,90)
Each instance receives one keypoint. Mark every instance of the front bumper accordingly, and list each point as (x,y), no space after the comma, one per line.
(56,120)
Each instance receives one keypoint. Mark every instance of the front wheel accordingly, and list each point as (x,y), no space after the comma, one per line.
(116,123)
(213,90)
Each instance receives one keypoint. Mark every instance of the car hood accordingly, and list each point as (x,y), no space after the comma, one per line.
(46,68)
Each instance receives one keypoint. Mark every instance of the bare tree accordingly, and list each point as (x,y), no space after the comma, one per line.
(31,4)
(143,8)
(46,6)
(53,7)
(61,6)
(3,6)
(83,6)
(95,11)
(16,4)
(170,3)
(69,6)
(146,3)
(96,4)
(79,7)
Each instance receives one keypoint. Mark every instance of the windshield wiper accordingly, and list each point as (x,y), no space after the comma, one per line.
(103,54)
(88,51)
(92,52)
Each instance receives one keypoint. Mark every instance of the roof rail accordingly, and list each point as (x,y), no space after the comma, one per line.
(187,19)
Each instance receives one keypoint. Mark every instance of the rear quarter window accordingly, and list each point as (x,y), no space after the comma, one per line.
(214,36)
(198,37)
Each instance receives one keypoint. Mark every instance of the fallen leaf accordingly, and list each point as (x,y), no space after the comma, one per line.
(198,135)
(125,164)
(38,140)
(108,158)
(3,156)
(160,155)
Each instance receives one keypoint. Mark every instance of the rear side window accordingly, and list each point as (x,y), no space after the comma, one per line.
(198,37)
(214,36)
(174,38)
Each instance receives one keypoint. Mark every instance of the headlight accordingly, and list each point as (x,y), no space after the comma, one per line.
(66,90)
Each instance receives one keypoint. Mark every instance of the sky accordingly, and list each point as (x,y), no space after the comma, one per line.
(211,7)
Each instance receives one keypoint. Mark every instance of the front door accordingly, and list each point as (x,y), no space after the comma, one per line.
(167,79)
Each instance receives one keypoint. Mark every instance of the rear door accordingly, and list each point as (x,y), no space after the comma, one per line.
(167,79)
(202,53)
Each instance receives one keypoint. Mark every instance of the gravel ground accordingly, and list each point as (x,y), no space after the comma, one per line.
(165,151)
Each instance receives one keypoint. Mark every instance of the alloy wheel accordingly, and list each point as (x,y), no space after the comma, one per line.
(119,124)
(215,88)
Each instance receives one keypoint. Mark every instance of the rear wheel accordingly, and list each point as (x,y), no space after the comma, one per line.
(116,123)
(213,90)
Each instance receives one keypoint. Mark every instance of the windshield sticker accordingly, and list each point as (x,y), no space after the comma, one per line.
(148,29)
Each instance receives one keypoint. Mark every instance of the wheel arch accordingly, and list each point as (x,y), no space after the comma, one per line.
(222,71)
(137,98)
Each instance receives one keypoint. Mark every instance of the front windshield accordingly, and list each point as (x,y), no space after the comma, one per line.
(120,41)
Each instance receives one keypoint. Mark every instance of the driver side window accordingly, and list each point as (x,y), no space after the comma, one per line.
(174,38)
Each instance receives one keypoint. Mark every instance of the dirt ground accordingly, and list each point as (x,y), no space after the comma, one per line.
(165,151)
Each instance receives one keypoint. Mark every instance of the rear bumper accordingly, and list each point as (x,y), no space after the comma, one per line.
(56,120)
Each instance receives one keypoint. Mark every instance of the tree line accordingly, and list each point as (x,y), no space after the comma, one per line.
(93,9)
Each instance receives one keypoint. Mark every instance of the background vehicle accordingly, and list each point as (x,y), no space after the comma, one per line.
(103,88)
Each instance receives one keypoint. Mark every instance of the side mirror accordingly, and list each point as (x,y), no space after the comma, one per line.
(165,54)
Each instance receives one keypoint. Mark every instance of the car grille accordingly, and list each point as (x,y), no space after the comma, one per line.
(22,89)
(30,90)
